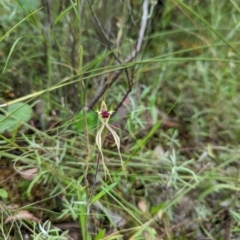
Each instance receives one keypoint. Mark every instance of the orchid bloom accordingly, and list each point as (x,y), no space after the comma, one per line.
(104,116)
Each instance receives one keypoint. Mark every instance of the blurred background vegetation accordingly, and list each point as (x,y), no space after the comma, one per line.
(170,70)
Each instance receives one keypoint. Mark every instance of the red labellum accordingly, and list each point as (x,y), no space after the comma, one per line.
(105,114)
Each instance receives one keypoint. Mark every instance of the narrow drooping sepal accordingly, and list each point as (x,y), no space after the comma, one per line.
(99,138)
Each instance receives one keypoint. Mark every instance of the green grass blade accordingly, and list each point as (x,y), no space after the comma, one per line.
(14,27)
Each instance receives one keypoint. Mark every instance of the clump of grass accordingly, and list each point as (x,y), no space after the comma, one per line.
(181,154)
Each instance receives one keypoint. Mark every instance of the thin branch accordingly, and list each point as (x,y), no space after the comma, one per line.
(98,22)
(141,33)
(129,58)
(107,85)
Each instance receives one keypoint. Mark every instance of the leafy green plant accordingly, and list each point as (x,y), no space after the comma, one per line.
(83,119)
(46,231)
(3,193)
(15,114)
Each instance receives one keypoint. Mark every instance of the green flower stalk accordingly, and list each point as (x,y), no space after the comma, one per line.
(104,116)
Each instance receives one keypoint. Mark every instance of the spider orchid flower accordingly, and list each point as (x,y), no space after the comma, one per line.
(104,116)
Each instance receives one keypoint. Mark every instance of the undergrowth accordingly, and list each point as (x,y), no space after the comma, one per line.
(173,84)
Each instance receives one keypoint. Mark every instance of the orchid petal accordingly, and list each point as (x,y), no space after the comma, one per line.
(115,136)
(99,144)
(104,116)
(99,137)
(117,141)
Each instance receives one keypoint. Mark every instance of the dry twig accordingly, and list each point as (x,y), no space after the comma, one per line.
(129,58)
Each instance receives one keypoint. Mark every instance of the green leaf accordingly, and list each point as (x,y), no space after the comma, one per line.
(7,123)
(33,182)
(100,234)
(157,208)
(16,25)
(65,12)
(10,53)
(104,191)
(21,111)
(80,124)
(3,193)
(16,113)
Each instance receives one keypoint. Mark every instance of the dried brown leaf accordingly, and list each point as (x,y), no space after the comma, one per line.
(29,174)
(22,215)
(142,205)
